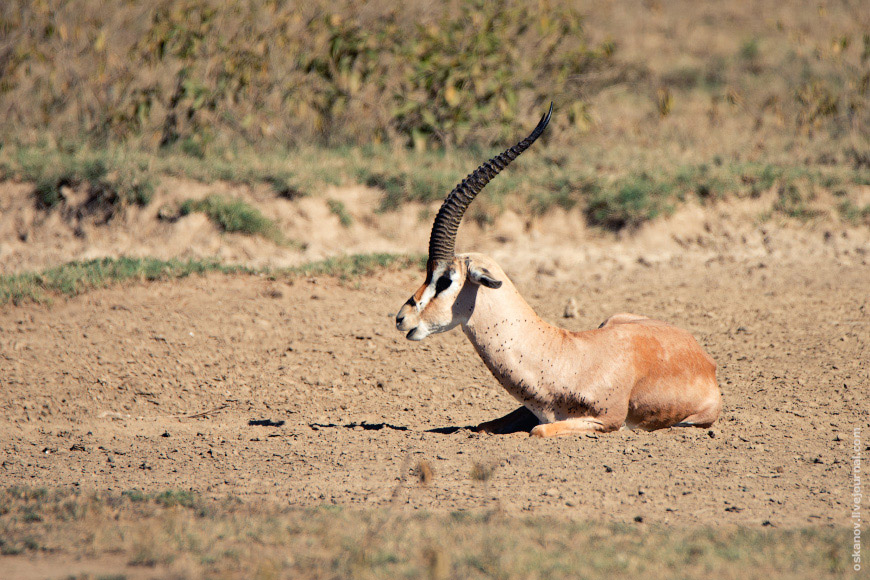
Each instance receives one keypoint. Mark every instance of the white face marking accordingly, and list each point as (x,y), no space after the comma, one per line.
(431,290)
(428,295)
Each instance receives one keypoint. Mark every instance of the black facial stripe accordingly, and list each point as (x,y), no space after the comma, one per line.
(443,284)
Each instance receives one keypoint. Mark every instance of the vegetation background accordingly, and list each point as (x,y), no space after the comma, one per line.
(106,107)
(656,103)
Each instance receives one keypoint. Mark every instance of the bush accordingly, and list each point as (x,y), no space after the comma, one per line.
(629,204)
(108,188)
(190,74)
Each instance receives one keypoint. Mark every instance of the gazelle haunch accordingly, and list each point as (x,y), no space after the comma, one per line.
(631,371)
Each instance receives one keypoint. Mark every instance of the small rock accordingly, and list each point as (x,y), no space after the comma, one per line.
(571,310)
(552,492)
(424,472)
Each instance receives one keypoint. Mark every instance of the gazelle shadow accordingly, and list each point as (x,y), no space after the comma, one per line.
(519,421)
(365,426)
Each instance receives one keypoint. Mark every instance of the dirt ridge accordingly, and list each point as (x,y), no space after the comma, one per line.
(557,242)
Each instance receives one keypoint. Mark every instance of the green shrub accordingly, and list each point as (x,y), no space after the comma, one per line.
(628,204)
(233,215)
(853,213)
(111,183)
(792,202)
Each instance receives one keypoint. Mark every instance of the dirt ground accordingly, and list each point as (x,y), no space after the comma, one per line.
(303,392)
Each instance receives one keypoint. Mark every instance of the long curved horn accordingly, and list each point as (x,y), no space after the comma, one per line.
(443,236)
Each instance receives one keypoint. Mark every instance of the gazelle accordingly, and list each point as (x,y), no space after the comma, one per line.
(631,371)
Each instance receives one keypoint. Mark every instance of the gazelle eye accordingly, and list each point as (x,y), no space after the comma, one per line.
(442,284)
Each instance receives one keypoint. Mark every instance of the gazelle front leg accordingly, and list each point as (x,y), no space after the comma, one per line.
(569,426)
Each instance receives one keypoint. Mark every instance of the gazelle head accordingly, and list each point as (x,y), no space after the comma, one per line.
(446,297)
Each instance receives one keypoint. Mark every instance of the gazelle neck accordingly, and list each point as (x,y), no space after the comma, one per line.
(511,339)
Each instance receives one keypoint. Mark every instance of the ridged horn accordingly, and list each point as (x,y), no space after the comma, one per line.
(443,237)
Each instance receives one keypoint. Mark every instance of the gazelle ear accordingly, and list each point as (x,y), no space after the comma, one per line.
(482,276)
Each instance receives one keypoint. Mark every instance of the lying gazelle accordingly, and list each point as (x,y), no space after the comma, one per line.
(631,371)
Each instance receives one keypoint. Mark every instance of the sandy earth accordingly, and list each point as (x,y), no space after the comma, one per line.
(303,392)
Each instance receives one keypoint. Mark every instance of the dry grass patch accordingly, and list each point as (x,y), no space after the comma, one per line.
(190,536)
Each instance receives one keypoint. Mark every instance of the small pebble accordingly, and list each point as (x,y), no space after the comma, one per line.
(571,310)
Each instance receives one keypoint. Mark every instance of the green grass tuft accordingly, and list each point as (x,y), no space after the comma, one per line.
(76,278)
(135,495)
(284,185)
(337,208)
(234,215)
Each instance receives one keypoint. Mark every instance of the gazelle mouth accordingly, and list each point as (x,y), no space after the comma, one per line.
(418,333)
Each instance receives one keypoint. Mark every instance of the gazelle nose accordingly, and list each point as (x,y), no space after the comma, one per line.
(399,320)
